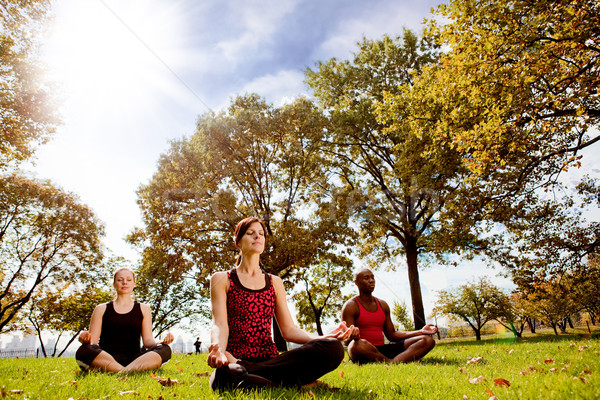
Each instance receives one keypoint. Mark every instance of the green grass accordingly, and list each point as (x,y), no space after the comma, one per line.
(542,366)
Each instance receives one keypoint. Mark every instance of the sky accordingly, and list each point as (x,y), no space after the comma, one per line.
(136,74)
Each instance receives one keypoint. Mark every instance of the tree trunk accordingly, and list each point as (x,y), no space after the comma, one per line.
(414,282)
(477,334)
(318,323)
(531,323)
(570,321)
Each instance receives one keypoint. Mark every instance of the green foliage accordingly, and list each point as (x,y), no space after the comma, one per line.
(402,316)
(47,238)
(28,114)
(402,179)
(539,367)
(476,303)
(320,295)
(64,310)
(251,160)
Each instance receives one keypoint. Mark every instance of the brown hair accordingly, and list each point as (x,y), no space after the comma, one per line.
(240,231)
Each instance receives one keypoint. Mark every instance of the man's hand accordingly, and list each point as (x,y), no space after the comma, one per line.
(342,332)
(216,358)
(85,337)
(168,338)
(429,329)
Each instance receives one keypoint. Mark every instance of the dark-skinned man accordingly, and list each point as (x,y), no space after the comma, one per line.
(371,318)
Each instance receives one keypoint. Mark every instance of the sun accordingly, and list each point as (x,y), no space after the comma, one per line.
(114,53)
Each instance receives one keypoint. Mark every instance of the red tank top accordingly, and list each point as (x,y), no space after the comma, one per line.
(370,323)
(249,316)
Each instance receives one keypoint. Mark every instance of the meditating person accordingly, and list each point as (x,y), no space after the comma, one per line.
(112,343)
(244,301)
(371,317)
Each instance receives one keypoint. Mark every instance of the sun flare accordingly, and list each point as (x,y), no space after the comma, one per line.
(113,53)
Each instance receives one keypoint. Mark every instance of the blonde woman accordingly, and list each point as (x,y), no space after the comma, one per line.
(112,343)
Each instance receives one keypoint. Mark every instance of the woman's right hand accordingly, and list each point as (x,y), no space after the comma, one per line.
(216,358)
(85,337)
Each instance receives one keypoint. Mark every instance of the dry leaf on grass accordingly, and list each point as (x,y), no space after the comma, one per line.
(201,374)
(582,379)
(475,360)
(549,361)
(501,382)
(489,392)
(342,374)
(166,381)
(128,392)
(477,380)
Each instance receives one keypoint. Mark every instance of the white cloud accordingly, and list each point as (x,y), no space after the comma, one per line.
(278,88)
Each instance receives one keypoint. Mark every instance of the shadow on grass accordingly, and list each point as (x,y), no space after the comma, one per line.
(438,360)
(544,337)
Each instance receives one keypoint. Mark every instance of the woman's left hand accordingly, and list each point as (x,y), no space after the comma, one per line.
(168,338)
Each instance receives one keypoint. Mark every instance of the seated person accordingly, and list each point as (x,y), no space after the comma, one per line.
(113,341)
(371,317)
(244,301)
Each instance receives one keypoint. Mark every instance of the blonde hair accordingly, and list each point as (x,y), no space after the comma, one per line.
(123,269)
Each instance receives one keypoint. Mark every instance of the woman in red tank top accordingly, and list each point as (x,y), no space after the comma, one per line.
(244,302)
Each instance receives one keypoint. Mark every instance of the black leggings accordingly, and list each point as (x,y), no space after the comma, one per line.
(296,367)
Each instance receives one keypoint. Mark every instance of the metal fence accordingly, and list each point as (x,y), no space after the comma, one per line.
(19,353)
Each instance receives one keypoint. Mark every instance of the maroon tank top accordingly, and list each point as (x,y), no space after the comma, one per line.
(371,323)
(249,316)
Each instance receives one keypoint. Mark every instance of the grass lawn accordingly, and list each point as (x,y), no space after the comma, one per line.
(541,366)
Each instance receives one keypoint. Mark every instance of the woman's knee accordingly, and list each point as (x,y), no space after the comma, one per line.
(332,347)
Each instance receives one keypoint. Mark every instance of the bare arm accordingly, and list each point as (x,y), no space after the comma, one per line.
(289,330)
(392,334)
(147,337)
(219,334)
(349,312)
(93,335)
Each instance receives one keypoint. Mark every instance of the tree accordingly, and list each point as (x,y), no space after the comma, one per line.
(519,86)
(476,303)
(400,313)
(553,301)
(28,116)
(517,95)
(251,160)
(47,237)
(64,311)
(405,184)
(585,284)
(321,296)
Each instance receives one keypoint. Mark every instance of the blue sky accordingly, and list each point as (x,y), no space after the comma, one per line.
(136,74)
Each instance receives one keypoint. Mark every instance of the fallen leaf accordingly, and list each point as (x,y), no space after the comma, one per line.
(201,374)
(489,392)
(585,371)
(548,361)
(474,360)
(167,381)
(511,351)
(524,373)
(16,391)
(552,370)
(477,380)
(501,382)
(493,398)
(311,394)
(133,392)
(387,367)
(180,369)
(342,374)
(462,370)
(465,397)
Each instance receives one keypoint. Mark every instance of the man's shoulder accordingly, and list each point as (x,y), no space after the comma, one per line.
(350,304)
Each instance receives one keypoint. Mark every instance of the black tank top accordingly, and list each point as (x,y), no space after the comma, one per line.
(120,336)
